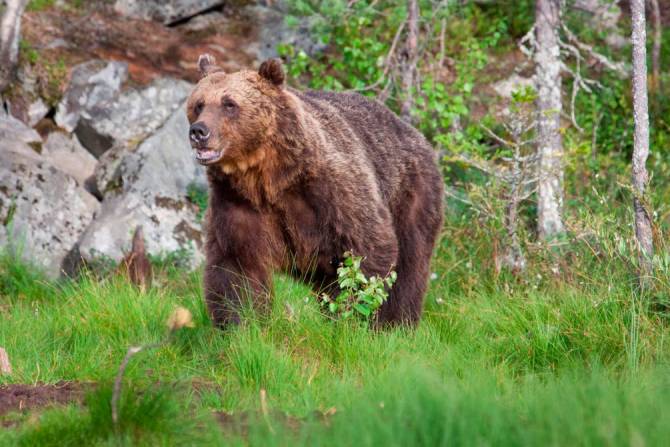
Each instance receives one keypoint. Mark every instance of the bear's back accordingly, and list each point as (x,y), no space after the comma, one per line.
(395,149)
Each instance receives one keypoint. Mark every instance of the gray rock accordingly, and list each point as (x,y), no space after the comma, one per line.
(14,130)
(93,85)
(505,87)
(66,153)
(43,210)
(151,184)
(16,137)
(165,11)
(133,116)
(36,111)
(274,30)
(605,16)
(205,21)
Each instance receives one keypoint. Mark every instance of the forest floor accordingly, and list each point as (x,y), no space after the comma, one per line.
(492,363)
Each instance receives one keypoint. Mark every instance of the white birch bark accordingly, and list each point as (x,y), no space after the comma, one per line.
(549,106)
(10,31)
(643,228)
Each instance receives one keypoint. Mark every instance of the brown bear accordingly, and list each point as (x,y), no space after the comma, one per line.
(299,178)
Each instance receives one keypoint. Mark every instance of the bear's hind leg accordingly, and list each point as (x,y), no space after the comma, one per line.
(405,300)
(416,229)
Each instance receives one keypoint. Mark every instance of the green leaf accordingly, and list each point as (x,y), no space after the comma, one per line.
(363,310)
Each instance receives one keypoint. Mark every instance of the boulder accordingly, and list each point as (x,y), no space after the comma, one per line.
(273,29)
(15,135)
(148,186)
(605,16)
(133,116)
(164,11)
(36,111)
(505,87)
(66,153)
(43,211)
(93,85)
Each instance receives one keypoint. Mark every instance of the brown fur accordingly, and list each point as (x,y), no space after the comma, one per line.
(304,178)
(136,264)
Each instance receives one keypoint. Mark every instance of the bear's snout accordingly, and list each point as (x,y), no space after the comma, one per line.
(199,134)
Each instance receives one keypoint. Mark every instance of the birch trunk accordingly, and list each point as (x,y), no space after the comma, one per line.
(409,60)
(550,144)
(643,229)
(10,31)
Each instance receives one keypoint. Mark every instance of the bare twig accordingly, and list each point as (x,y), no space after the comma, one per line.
(5,366)
(180,318)
(387,62)
(618,67)
(118,381)
(264,409)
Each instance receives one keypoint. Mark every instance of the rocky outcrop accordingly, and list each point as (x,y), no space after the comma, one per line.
(16,136)
(133,116)
(93,86)
(151,184)
(273,30)
(64,152)
(164,11)
(43,211)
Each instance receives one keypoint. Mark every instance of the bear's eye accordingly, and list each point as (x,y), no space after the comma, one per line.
(228,104)
(198,107)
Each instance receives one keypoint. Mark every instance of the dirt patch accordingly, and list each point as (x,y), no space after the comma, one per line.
(151,49)
(20,397)
(241,422)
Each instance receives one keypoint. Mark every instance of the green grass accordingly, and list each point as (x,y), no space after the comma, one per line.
(495,361)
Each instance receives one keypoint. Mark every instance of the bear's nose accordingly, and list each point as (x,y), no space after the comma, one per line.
(199,133)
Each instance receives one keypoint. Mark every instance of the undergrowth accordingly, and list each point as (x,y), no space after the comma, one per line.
(551,357)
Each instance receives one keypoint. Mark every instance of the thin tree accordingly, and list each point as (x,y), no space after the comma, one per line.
(10,31)
(409,60)
(550,145)
(643,229)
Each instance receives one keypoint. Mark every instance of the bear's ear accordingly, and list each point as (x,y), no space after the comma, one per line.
(207,65)
(272,70)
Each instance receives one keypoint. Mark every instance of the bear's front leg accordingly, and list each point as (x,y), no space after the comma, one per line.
(237,273)
(229,286)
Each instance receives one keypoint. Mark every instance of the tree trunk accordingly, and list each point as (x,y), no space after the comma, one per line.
(10,31)
(643,229)
(409,58)
(656,49)
(550,144)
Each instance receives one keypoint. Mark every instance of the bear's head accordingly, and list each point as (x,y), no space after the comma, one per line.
(233,115)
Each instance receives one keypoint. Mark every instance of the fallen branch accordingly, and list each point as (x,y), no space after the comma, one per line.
(180,318)
(5,366)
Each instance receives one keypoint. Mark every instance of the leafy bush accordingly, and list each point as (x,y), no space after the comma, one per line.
(360,296)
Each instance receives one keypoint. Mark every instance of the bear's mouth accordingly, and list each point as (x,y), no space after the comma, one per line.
(207,156)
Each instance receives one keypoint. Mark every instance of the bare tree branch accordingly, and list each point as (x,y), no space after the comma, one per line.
(618,67)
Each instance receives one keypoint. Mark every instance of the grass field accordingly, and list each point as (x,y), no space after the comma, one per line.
(495,361)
